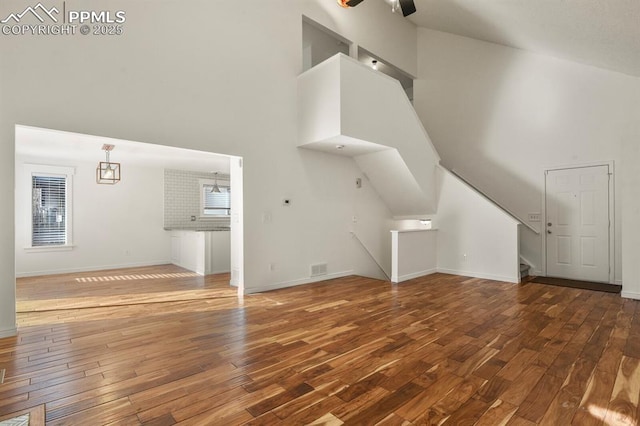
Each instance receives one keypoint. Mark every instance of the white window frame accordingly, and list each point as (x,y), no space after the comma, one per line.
(50,171)
(210,182)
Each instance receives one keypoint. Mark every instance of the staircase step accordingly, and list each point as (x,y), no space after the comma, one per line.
(524,270)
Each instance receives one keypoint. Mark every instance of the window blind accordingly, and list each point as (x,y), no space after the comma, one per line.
(49,210)
(216,203)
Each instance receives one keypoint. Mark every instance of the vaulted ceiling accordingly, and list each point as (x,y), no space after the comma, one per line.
(602,33)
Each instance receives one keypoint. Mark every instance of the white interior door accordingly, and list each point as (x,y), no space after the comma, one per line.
(577,215)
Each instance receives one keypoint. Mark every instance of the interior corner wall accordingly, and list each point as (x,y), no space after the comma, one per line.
(500,116)
(114,226)
(221,80)
(630,188)
(475,238)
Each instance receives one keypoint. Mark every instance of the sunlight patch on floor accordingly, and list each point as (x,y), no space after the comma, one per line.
(137,277)
(22,420)
(610,417)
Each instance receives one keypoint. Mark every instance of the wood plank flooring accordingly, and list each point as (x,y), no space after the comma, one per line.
(441,349)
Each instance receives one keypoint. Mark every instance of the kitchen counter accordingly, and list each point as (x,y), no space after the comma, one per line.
(204,251)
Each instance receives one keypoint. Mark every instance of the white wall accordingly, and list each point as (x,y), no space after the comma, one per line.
(414,253)
(630,188)
(114,226)
(375,108)
(501,115)
(475,238)
(345,103)
(222,79)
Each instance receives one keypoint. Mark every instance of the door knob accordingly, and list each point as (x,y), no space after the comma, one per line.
(548,231)
(549,224)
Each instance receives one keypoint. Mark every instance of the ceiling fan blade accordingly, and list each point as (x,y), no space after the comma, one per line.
(408,7)
(354,3)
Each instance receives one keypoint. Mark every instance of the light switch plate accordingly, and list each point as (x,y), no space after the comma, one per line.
(534,217)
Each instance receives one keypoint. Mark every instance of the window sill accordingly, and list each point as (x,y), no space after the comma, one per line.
(43,249)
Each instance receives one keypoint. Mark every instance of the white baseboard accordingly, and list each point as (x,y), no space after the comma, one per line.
(91,268)
(617,282)
(301,281)
(481,275)
(219,272)
(630,295)
(413,275)
(9,332)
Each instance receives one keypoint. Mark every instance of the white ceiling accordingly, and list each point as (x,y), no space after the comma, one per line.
(602,33)
(53,144)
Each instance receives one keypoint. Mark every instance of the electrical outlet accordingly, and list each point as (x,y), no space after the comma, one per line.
(534,217)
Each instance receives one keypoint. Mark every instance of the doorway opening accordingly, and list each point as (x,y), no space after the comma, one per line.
(385,67)
(116,238)
(320,43)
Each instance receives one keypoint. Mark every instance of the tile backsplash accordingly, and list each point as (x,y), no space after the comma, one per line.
(182,200)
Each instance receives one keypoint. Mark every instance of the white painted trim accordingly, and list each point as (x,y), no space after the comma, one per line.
(9,332)
(630,295)
(401,231)
(618,282)
(413,275)
(45,249)
(91,268)
(612,217)
(300,281)
(512,280)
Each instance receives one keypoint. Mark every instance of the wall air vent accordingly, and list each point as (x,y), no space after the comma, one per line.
(318,269)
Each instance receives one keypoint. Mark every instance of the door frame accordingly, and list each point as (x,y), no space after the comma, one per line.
(612,228)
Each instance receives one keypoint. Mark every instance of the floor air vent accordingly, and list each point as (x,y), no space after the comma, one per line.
(318,269)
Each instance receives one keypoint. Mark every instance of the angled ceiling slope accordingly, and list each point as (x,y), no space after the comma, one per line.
(603,34)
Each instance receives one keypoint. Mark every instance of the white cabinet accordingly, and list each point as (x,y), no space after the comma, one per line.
(203,252)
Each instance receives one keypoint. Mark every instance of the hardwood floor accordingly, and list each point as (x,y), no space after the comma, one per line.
(441,349)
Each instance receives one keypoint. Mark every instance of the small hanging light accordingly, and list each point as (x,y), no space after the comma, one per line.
(107,172)
(216,188)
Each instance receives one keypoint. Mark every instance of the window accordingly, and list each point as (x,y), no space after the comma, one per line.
(50,189)
(49,210)
(214,203)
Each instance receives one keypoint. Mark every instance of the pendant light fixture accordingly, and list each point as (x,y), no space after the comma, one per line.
(216,188)
(108,173)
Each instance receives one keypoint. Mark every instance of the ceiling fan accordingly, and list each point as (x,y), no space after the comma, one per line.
(406,6)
